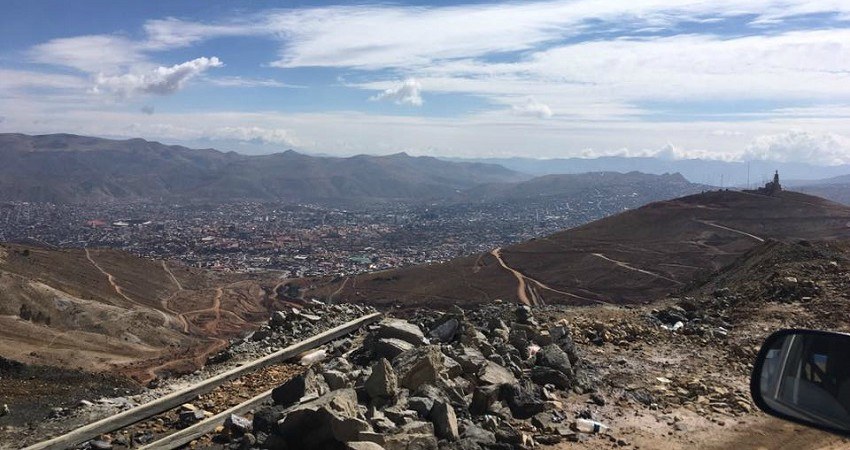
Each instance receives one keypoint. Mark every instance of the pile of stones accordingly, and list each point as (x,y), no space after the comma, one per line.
(289,326)
(492,378)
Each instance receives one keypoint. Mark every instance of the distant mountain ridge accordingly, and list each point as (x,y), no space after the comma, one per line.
(711,172)
(69,168)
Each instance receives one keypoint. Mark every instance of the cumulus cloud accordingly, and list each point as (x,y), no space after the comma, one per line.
(160,81)
(799,145)
(532,108)
(408,92)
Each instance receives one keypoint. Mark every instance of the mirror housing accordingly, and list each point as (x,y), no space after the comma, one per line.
(804,376)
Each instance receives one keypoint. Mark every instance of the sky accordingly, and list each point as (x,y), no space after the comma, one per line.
(714,79)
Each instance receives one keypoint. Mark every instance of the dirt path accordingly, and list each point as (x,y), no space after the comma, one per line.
(336,292)
(630,267)
(743,233)
(166,319)
(173,278)
(521,286)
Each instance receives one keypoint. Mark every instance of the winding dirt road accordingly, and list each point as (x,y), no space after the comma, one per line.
(743,233)
(630,267)
(521,290)
(166,319)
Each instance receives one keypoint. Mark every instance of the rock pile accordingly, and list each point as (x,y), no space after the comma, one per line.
(489,379)
(288,326)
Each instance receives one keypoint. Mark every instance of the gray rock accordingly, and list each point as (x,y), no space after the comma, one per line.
(422,405)
(410,442)
(524,315)
(470,359)
(494,374)
(445,421)
(237,424)
(362,445)
(477,434)
(278,319)
(390,347)
(552,356)
(382,384)
(482,398)
(523,400)
(546,375)
(335,379)
(98,444)
(328,420)
(445,331)
(418,427)
(420,366)
(400,329)
(307,384)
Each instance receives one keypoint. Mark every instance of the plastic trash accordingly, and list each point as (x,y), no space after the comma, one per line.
(590,426)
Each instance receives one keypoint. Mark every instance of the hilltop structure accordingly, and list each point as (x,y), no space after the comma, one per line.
(771,187)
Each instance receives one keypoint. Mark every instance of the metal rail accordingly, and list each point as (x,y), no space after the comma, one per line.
(177,398)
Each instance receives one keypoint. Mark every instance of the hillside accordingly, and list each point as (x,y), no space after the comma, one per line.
(104,310)
(642,187)
(68,168)
(633,257)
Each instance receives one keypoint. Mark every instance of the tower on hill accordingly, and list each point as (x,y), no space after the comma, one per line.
(771,187)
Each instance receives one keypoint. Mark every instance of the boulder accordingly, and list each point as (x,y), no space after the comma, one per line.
(422,406)
(410,442)
(307,384)
(546,375)
(420,366)
(400,329)
(445,421)
(470,359)
(445,331)
(496,375)
(482,398)
(323,422)
(382,384)
(553,357)
(390,347)
(523,400)
(335,379)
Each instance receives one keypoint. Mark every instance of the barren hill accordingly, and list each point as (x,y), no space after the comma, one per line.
(104,310)
(68,168)
(636,256)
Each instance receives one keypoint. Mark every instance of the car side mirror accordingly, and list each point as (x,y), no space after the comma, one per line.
(804,376)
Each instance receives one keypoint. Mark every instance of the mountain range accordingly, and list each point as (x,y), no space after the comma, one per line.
(79,169)
(711,172)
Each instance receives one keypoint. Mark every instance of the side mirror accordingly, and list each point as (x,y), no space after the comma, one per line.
(804,376)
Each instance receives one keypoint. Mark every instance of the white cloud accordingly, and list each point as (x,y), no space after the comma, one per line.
(160,81)
(92,54)
(253,134)
(356,37)
(409,92)
(533,108)
(237,81)
(799,145)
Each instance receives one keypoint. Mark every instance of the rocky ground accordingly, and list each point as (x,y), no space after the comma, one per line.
(670,375)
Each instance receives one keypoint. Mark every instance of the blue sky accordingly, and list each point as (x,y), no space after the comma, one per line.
(721,79)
